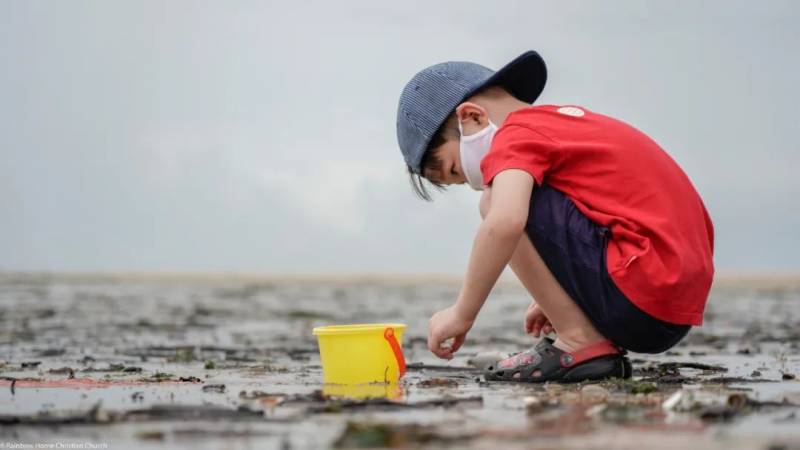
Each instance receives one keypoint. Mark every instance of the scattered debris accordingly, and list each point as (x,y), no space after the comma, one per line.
(437,382)
(484,359)
(91,416)
(533,405)
(389,435)
(314,397)
(114,368)
(594,393)
(217,388)
(710,407)
(190,379)
(382,404)
(156,435)
(191,412)
(63,370)
(631,386)
(159,377)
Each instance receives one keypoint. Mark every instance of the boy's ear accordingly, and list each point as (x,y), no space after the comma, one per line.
(472,114)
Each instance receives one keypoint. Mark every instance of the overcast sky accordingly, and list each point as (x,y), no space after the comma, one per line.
(259,136)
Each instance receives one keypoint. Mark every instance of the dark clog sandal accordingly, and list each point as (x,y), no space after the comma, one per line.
(545,362)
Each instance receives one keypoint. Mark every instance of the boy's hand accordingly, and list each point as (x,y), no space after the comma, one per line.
(536,323)
(447,324)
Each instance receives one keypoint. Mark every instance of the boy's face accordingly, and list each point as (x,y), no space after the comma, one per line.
(450,172)
(472,118)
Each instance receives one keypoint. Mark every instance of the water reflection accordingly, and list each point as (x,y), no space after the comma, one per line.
(390,391)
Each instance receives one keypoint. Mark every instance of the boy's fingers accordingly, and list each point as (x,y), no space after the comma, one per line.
(528,324)
(533,320)
(435,346)
(538,323)
(444,353)
(457,343)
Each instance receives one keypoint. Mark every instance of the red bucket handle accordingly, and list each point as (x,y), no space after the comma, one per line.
(388,334)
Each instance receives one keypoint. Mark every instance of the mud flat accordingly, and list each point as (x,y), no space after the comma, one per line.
(229,362)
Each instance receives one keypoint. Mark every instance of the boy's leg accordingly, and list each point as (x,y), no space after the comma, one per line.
(561,260)
(574,329)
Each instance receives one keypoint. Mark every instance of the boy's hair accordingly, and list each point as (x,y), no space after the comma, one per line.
(447,131)
(430,160)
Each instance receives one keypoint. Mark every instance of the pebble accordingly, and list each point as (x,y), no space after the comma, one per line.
(533,405)
(483,359)
(594,393)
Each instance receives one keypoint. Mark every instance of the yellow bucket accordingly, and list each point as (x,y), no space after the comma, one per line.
(363,353)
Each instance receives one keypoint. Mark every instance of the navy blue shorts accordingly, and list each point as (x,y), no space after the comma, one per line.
(574,249)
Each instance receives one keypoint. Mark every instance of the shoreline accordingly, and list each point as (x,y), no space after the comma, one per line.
(721,279)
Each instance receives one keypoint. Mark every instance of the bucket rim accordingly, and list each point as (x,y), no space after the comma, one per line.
(356,328)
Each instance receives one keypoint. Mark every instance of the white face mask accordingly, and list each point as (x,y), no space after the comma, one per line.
(472,149)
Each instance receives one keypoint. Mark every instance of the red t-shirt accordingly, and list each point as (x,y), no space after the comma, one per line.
(662,239)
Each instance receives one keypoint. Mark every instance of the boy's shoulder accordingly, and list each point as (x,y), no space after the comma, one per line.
(570,123)
(533,116)
(548,122)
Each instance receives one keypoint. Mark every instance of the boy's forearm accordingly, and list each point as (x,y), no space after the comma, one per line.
(494,245)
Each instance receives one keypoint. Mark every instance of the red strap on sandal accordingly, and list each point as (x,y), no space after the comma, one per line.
(603,348)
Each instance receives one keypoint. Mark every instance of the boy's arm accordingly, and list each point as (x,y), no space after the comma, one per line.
(494,244)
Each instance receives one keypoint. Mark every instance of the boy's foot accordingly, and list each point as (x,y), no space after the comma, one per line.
(545,362)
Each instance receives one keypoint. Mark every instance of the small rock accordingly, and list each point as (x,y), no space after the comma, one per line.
(155,435)
(672,401)
(788,376)
(271,401)
(437,382)
(190,379)
(553,389)
(484,359)
(218,388)
(533,405)
(596,409)
(755,373)
(594,393)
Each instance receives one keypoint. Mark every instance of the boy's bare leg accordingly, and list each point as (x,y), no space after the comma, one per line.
(574,329)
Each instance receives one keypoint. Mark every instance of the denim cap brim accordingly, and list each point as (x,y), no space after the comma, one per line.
(433,93)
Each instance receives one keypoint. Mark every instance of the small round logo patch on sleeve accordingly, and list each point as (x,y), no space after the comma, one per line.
(571,111)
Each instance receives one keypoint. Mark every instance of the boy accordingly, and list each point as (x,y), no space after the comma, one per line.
(600,225)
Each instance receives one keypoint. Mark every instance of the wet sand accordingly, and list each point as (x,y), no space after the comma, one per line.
(229,362)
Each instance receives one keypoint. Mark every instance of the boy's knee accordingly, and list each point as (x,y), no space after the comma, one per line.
(483,206)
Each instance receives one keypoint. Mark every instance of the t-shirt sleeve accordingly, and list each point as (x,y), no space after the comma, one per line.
(519,147)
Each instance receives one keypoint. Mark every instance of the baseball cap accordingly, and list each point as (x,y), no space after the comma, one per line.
(433,93)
